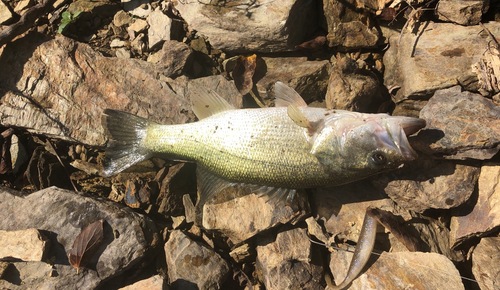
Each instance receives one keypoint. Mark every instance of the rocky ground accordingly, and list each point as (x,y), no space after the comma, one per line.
(63,226)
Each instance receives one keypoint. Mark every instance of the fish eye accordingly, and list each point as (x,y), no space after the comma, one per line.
(378,158)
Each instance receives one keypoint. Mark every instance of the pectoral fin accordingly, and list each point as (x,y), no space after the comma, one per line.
(286,96)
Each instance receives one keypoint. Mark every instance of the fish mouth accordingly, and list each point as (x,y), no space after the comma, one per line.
(401,128)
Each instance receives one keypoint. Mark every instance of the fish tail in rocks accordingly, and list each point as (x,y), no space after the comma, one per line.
(126,135)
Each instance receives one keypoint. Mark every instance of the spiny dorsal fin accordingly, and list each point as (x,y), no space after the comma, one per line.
(207,102)
(286,96)
(298,117)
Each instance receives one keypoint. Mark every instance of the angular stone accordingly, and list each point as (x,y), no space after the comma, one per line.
(243,217)
(191,264)
(39,275)
(68,101)
(160,26)
(439,57)
(485,216)
(399,270)
(138,8)
(128,236)
(346,28)
(5,14)
(25,245)
(285,262)
(121,18)
(268,26)
(22,5)
(174,59)
(463,12)
(485,265)
(308,78)
(152,283)
(427,184)
(350,90)
(460,125)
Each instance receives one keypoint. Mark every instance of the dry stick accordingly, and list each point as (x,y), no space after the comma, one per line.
(26,22)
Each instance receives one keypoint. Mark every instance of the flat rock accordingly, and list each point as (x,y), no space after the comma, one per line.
(39,275)
(464,12)
(439,57)
(401,270)
(460,125)
(192,265)
(174,59)
(243,217)
(5,14)
(285,262)
(485,266)
(25,245)
(308,78)
(68,101)
(121,18)
(485,216)
(128,236)
(152,283)
(429,184)
(138,8)
(264,26)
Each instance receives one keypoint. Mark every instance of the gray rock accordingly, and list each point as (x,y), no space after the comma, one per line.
(61,214)
(439,57)
(346,28)
(308,78)
(286,262)
(25,245)
(430,184)
(485,216)
(460,125)
(193,266)
(39,275)
(267,26)
(464,12)
(68,101)
(485,266)
(400,270)
(121,18)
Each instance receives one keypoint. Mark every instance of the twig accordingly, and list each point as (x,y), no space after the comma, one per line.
(26,22)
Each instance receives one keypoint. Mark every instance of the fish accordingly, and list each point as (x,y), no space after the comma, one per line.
(274,150)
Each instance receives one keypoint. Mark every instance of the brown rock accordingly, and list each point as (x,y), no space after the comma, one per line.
(285,262)
(191,264)
(68,101)
(345,28)
(174,59)
(5,13)
(25,245)
(400,271)
(243,217)
(464,12)
(266,27)
(151,283)
(179,180)
(121,18)
(439,57)
(460,125)
(485,215)
(308,78)
(350,89)
(429,184)
(485,263)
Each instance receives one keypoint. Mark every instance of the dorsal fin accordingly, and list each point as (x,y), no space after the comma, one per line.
(298,117)
(286,96)
(206,102)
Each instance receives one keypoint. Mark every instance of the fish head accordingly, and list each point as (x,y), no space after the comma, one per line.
(360,145)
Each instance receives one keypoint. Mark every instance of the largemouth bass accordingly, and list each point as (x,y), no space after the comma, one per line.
(289,146)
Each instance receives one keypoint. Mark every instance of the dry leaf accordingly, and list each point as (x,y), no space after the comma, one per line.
(85,244)
(243,73)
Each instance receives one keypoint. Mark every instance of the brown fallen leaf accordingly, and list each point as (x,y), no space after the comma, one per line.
(243,73)
(85,244)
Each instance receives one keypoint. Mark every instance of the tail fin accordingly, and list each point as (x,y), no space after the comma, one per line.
(126,135)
